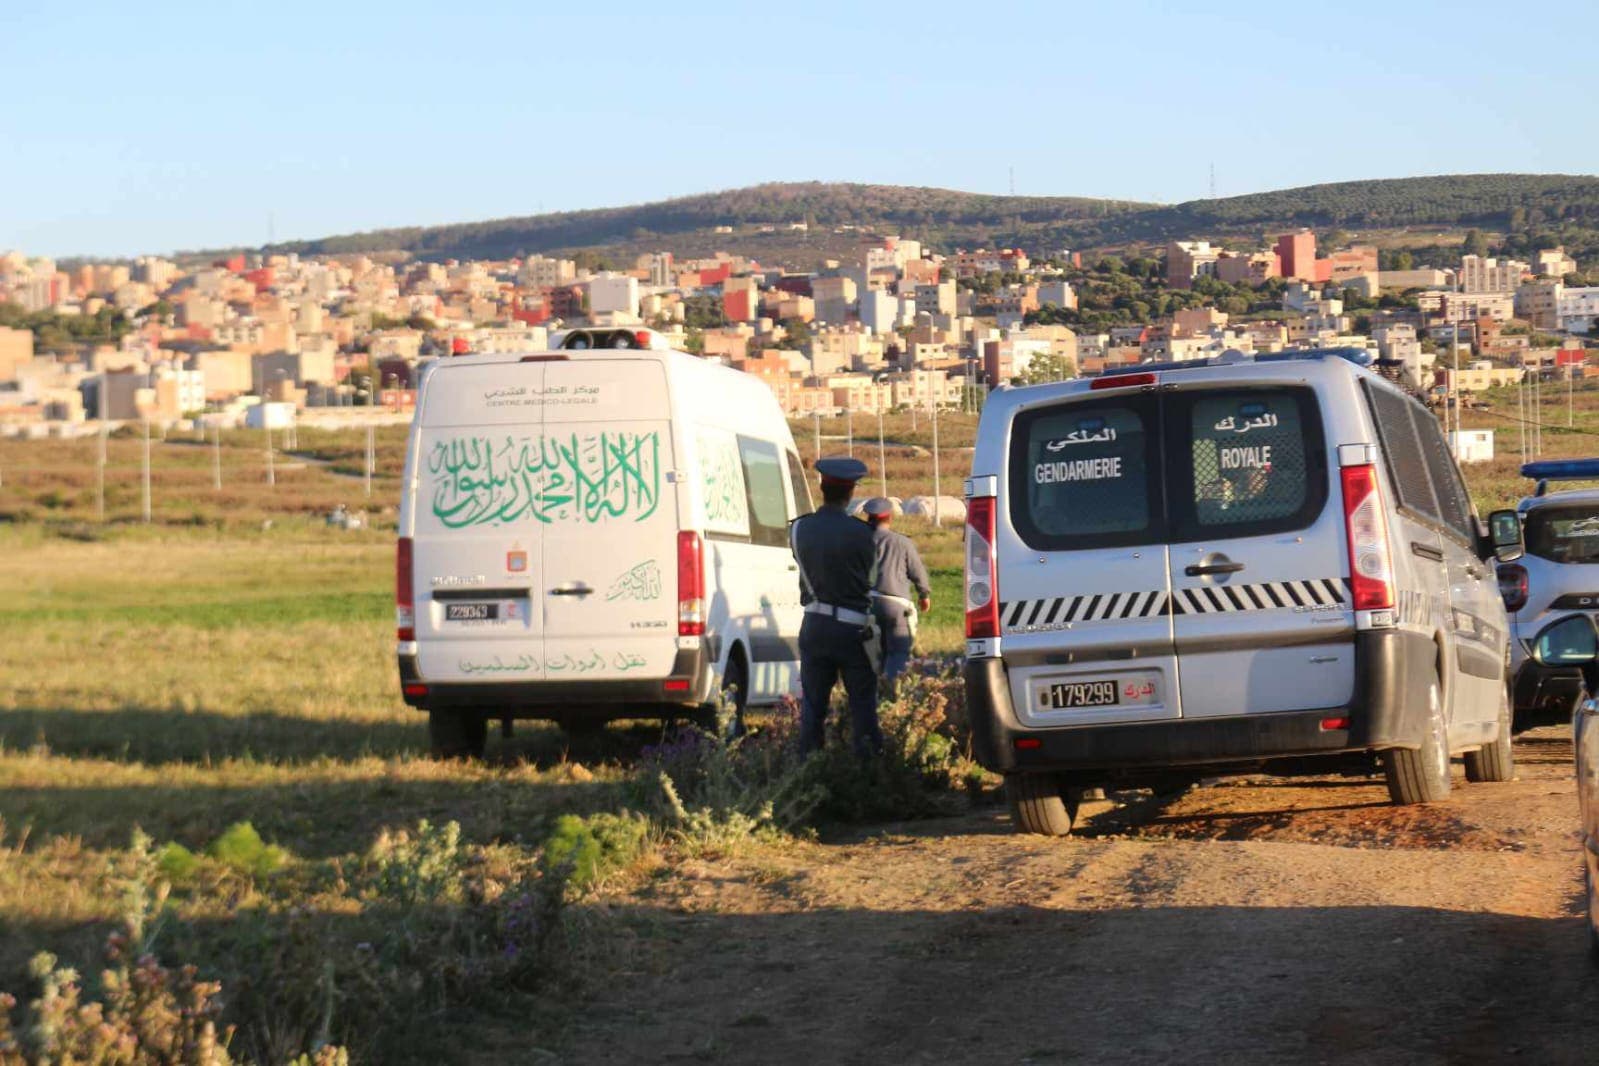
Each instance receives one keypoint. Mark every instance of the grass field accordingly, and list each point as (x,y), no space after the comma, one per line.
(232,661)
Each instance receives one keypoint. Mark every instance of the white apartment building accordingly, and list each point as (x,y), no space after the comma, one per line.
(1486,274)
(1579,309)
(613,294)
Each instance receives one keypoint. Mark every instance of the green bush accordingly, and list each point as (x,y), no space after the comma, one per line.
(177,863)
(241,848)
(591,849)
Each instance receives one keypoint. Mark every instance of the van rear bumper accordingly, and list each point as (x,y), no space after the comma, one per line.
(557,699)
(1393,669)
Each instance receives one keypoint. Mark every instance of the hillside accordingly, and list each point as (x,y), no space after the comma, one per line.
(945,218)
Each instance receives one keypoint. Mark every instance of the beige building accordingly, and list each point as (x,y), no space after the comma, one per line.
(1539,302)
(1427,278)
(226,373)
(834,298)
(936,299)
(16,351)
(1187,260)
(1555,263)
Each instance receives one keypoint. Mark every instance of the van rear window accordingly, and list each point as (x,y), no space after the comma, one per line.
(1181,466)
(1085,472)
(1251,467)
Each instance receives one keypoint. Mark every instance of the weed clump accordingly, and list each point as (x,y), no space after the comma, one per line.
(591,849)
(711,791)
(241,848)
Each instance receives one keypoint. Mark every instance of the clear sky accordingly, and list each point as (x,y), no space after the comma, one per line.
(136,128)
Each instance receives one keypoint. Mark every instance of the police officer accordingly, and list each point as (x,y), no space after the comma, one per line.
(836,555)
(899,569)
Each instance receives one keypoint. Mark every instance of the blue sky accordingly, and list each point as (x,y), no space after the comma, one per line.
(148,128)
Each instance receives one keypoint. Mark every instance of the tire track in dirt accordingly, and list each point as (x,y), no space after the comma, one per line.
(1337,929)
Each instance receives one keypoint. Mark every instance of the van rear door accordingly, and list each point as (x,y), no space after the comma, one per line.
(476,521)
(1261,613)
(1083,573)
(609,520)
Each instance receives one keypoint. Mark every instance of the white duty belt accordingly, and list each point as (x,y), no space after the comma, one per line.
(843,614)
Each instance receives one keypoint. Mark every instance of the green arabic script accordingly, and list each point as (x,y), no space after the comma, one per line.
(594,477)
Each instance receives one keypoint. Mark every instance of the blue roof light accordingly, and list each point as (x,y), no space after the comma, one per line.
(1562,470)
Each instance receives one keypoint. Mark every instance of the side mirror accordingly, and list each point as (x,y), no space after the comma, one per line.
(1504,535)
(1572,641)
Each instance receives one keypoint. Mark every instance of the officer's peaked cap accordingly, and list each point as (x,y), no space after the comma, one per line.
(841,468)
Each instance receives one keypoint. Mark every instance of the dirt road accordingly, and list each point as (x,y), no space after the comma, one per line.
(1248,922)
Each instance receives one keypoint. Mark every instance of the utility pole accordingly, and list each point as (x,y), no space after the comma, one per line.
(99,466)
(146,500)
(882,451)
(272,474)
(937,485)
(1454,441)
(216,457)
(849,430)
(1521,409)
(371,449)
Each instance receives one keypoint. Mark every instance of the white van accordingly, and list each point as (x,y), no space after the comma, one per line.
(1234,565)
(594,534)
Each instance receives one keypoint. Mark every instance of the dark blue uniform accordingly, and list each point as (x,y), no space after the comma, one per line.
(837,558)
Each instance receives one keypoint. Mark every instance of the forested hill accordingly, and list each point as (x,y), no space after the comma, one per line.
(1500,200)
(946,219)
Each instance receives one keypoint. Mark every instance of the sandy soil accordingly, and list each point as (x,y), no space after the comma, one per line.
(1250,921)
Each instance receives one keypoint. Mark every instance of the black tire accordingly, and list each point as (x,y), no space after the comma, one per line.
(457,734)
(1496,761)
(1591,910)
(1421,775)
(1038,804)
(734,692)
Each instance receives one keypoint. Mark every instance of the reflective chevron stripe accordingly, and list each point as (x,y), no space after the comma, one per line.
(1319,593)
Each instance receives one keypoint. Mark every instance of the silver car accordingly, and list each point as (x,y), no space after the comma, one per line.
(1571,646)
(1559,575)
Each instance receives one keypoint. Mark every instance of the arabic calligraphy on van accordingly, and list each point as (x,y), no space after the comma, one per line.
(592,477)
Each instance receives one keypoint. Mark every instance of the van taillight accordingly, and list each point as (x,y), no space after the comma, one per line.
(690,585)
(1371,572)
(982,583)
(1513,586)
(404,597)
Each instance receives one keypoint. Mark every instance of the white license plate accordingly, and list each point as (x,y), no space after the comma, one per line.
(1066,694)
(1137,690)
(471,612)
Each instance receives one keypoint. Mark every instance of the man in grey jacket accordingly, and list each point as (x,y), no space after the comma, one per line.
(899,570)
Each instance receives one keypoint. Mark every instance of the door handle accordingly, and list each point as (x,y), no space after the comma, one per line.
(1212,568)
(577,588)
(793,568)
(1475,573)
(1427,551)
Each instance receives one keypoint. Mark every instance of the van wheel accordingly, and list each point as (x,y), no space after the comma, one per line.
(734,694)
(457,734)
(1421,775)
(1039,805)
(1496,761)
